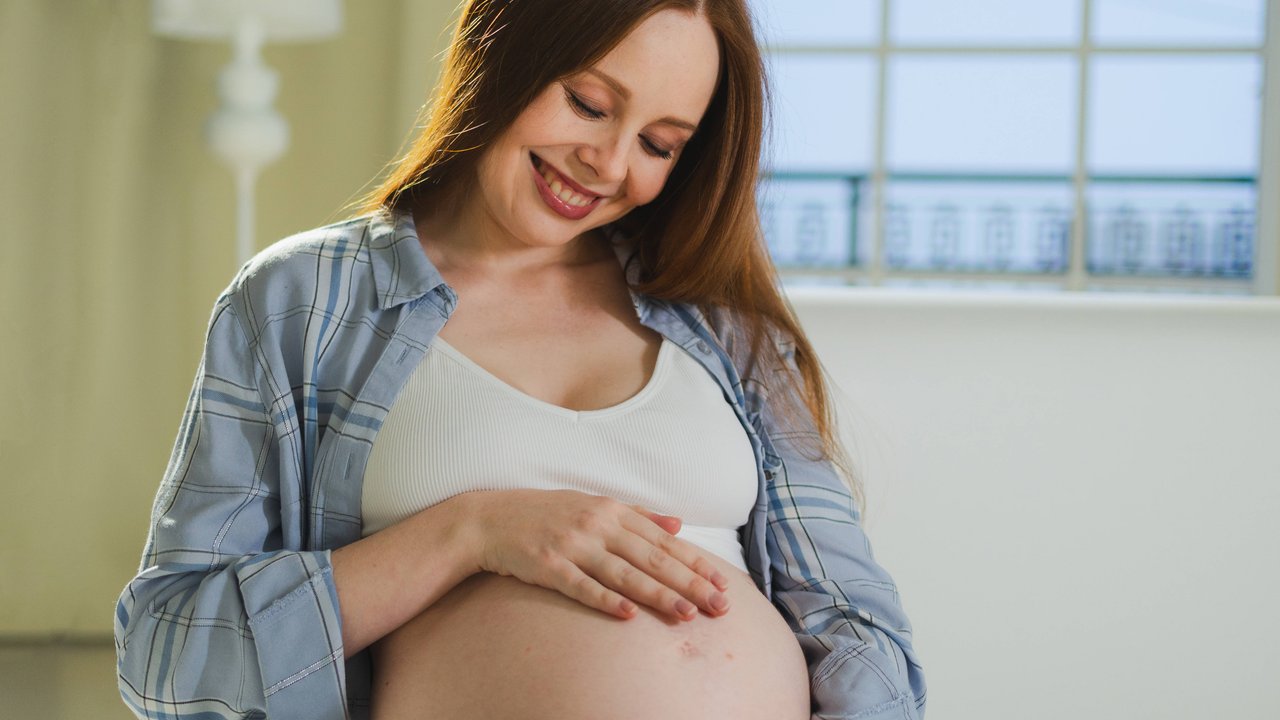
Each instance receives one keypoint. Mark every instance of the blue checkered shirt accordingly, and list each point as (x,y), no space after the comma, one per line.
(234,613)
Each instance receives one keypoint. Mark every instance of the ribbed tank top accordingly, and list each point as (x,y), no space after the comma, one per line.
(676,447)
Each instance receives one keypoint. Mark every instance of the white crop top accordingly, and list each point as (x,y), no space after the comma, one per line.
(676,447)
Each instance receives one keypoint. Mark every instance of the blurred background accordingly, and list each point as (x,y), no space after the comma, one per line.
(1037,245)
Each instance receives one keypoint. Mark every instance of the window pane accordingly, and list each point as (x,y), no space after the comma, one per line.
(824,110)
(810,222)
(1183,229)
(818,22)
(985,22)
(1004,226)
(965,113)
(1189,115)
(1178,22)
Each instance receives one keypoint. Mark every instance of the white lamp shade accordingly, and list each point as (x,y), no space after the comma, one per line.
(280,20)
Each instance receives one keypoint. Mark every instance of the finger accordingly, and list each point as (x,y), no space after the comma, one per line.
(670,562)
(634,583)
(569,580)
(686,552)
(670,523)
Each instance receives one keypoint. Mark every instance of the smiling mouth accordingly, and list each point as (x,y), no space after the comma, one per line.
(574,205)
(544,168)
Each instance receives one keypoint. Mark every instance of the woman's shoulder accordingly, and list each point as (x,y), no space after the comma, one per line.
(306,267)
(320,272)
(295,257)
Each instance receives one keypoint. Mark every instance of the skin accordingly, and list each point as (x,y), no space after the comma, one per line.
(504,229)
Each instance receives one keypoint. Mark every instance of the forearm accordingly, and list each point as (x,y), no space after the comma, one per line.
(388,578)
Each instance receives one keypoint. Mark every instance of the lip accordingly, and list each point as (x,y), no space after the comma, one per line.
(565,179)
(559,206)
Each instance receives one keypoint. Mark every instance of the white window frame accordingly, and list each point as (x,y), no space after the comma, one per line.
(1266,261)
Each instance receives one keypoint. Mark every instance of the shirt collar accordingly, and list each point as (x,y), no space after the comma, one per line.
(625,249)
(401,270)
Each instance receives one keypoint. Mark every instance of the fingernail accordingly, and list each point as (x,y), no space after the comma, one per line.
(719,602)
(684,607)
(720,580)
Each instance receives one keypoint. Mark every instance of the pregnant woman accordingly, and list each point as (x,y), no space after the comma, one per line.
(534,435)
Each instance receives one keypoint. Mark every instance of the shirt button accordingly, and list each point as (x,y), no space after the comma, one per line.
(703,346)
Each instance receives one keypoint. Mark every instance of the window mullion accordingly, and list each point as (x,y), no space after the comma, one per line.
(1266,254)
(877,271)
(1077,278)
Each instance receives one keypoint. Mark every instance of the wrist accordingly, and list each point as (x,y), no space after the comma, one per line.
(465,531)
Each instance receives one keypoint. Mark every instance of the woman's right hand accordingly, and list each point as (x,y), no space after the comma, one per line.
(595,550)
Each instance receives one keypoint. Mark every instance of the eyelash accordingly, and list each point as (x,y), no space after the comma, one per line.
(594,114)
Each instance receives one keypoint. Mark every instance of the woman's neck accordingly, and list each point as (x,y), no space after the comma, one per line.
(463,239)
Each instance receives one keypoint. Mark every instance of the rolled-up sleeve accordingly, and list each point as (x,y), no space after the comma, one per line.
(843,606)
(223,620)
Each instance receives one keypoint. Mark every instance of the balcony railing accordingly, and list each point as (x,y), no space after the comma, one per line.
(1010,226)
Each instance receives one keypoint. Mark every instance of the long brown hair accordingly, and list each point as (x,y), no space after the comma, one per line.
(700,241)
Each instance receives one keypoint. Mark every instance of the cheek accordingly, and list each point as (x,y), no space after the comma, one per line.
(648,186)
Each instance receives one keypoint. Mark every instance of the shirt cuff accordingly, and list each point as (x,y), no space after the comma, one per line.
(292,604)
(852,683)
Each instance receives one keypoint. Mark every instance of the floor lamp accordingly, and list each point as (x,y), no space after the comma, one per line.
(245,131)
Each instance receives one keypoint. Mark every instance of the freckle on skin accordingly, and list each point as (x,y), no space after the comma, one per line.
(728,656)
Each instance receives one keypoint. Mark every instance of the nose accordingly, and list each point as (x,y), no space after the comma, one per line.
(607,159)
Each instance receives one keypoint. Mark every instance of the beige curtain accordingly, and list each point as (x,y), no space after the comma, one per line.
(119,233)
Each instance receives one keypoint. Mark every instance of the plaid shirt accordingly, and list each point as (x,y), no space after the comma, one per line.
(234,613)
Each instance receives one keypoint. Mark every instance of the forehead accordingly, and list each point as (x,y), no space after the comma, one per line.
(669,62)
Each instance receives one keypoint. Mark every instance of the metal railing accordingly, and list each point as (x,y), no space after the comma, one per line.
(966,224)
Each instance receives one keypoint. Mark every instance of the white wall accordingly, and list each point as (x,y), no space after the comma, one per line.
(1077,495)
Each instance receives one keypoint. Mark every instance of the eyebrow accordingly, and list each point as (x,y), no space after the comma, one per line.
(626,95)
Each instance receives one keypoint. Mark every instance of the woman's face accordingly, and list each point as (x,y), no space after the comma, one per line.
(615,130)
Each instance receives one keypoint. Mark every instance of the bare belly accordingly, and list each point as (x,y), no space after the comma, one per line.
(496,647)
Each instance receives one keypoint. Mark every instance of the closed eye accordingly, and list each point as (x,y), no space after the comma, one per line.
(656,151)
(582,107)
(593,114)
